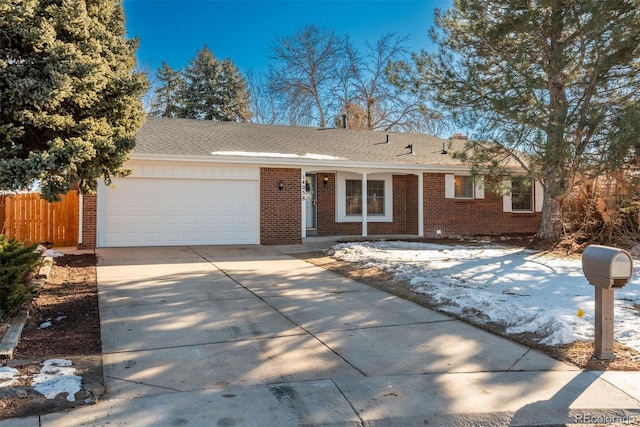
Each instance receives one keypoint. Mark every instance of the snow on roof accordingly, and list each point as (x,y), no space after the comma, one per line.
(274,155)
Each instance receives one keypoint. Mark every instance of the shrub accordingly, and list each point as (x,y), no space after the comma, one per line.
(604,210)
(17,262)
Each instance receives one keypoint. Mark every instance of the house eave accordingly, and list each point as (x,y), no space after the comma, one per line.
(306,163)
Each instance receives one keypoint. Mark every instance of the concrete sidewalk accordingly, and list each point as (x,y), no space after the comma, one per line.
(251,336)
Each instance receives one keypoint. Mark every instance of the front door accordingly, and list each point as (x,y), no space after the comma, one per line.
(311,202)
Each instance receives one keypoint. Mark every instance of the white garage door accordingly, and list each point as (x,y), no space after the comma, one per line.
(174,211)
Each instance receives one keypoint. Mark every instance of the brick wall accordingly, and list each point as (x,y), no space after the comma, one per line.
(89,222)
(405,209)
(470,217)
(280,210)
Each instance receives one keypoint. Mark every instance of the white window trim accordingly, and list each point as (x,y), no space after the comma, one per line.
(450,187)
(479,187)
(538,196)
(506,199)
(341,193)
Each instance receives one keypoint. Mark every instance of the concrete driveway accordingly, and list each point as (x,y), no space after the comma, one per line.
(247,335)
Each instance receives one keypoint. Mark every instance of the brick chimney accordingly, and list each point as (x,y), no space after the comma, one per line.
(459,135)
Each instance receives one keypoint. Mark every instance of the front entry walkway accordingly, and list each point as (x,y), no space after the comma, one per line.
(247,335)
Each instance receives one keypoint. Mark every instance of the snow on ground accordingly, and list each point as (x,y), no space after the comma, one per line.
(56,376)
(521,289)
(8,376)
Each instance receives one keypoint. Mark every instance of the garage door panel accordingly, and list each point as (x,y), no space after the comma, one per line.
(155,212)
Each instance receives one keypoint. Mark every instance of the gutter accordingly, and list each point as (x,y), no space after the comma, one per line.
(306,162)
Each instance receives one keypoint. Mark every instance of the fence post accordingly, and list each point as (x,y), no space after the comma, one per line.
(2,213)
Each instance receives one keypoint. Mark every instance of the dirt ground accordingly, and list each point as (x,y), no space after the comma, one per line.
(69,301)
(578,353)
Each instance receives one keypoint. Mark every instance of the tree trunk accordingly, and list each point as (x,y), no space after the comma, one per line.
(551,224)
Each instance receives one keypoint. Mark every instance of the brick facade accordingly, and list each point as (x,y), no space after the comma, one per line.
(280,210)
(89,222)
(281,216)
(456,217)
(405,209)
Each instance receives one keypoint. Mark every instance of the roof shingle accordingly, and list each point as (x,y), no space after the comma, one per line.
(206,139)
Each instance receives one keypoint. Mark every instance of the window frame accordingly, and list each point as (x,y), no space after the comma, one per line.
(519,194)
(468,185)
(477,186)
(341,197)
(372,198)
(356,198)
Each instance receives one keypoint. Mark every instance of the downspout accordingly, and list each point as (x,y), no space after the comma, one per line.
(420,204)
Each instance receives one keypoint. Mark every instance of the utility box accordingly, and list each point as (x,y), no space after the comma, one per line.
(606,269)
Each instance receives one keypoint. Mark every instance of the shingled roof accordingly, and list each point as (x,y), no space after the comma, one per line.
(170,137)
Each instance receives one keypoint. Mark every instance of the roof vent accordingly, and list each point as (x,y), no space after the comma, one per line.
(410,147)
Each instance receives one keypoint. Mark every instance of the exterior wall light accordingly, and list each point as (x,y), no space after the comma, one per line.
(326,181)
(280,185)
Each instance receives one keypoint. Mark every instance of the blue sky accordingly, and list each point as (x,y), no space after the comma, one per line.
(242,30)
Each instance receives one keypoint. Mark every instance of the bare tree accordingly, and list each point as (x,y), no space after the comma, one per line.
(303,73)
(263,103)
(384,105)
(317,75)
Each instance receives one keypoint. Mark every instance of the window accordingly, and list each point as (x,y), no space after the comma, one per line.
(521,194)
(349,197)
(353,197)
(375,197)
(463,187)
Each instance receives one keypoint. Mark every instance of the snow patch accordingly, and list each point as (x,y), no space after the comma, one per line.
(45,325)
(52,254)
(8,376)
(57,376)
(521,289)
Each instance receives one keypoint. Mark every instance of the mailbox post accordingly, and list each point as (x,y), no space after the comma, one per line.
(606,269)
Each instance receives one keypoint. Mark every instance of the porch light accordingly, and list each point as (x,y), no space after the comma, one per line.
(280,185)
(326,181)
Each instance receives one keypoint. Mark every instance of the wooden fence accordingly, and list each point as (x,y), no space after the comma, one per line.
(27,217)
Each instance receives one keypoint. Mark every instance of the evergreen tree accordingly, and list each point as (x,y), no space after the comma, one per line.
(166,100)
(213,90)
(553,85)
(70,102)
